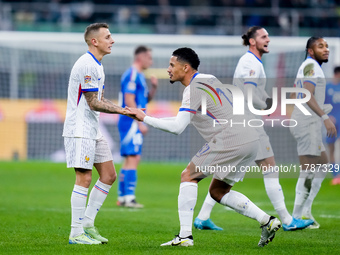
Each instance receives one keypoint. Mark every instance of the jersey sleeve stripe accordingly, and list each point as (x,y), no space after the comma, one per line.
(308,81)
(212,116)
(250,82)
(133,75)
(89,90)
(187,110)
(79,94)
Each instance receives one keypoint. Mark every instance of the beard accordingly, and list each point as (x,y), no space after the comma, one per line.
(320,60)
(263,51)
(172,82)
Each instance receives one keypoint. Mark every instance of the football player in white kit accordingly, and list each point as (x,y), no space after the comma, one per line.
(227,147)
(307,133)
(84,144)
(249,74)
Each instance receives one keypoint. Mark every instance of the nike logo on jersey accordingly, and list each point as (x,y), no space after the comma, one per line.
(99,79)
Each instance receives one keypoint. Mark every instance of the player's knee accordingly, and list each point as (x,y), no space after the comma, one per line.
(215,194)
(111,178)
(83,177)
(218,192)
(108,177)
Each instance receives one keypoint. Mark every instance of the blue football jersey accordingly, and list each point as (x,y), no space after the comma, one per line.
(333,98)
(132,82)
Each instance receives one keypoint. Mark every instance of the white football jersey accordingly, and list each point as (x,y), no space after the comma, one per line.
(216,123)
(249,70)
(87,75)
(310,71)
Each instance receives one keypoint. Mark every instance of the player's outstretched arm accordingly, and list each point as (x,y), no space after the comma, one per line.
(175,125)
(104,105)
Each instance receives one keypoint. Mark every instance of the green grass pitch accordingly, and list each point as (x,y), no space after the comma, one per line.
(35,215)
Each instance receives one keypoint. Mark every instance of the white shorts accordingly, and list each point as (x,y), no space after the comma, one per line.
(308,136)
(265,149)
(228,164)
(83,152)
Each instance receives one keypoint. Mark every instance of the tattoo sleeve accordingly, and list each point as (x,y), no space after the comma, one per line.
(104,105)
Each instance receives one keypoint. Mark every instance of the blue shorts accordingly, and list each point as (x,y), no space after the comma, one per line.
(131,140)
(330,140)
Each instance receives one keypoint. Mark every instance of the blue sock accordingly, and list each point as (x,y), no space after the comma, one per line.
(121,190)
(130,181)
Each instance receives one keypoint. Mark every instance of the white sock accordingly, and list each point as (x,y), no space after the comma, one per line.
(302,190)
(207,206)
(241,204)
(97,197)
(186,203)
(275,194)
(316,185)
(129,198)
(78,205)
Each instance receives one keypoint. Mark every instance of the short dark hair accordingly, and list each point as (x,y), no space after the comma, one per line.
(141,49)
(251,33)
(93,28)
(336,69)
(187,55)
(310,42)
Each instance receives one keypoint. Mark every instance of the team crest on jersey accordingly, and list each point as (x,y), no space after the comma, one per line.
(308,71)
(131,85)
(251,72)
(268,148)
(319,148)
(87,159)
(87,79)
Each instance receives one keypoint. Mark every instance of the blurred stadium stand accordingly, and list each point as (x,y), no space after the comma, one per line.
(209,17)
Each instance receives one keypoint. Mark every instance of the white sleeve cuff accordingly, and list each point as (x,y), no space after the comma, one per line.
(172,125)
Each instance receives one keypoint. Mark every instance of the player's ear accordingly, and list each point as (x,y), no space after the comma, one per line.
(310,52)
(252,41)
(94,41)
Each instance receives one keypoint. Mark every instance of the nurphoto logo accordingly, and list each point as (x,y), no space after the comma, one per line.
(237,101)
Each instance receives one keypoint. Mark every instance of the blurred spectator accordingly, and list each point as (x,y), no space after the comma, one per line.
(182,21)
(165,21)
(225,23)
(52,13)
(204,22)
(83,12)
(145,15)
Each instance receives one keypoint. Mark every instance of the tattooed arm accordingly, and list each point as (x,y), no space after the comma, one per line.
(104,105)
